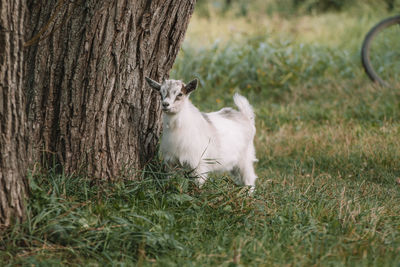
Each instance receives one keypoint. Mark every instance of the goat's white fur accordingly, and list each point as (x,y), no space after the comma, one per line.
(207,142)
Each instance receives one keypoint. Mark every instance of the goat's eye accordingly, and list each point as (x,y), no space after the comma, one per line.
(180,94)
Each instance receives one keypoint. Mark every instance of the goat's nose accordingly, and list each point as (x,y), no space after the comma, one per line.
(165,104)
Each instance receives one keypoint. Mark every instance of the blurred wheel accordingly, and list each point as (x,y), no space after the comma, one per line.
(380,52)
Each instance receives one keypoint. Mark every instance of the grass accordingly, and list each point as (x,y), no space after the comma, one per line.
(328,147)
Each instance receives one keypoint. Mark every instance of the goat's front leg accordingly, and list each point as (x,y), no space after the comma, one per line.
(201,175)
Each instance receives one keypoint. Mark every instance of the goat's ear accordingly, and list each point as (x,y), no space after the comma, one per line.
(191,86)
(153,84)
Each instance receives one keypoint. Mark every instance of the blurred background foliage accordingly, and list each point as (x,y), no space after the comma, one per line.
(275,50)
(289,7)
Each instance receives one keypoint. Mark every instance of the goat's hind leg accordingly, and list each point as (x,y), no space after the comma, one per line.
(247,172)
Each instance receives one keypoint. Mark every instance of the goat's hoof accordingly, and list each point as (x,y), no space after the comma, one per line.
(200,182)
(251,190)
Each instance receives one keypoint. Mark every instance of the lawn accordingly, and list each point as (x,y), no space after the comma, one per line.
(329,159)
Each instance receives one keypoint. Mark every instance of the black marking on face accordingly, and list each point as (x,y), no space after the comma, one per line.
(172,91)
(166,95)
(178,97)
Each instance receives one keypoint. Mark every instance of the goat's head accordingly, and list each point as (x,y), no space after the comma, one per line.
(173,93)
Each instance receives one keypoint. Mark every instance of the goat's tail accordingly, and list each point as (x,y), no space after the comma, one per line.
(244,106)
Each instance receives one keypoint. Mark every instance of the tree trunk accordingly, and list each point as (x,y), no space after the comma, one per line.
(86,65)
(13,125)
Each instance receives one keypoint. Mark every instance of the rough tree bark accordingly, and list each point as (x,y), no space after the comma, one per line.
(13,124)
(85,68)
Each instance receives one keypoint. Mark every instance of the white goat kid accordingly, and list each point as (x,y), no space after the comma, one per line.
(207,142)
